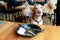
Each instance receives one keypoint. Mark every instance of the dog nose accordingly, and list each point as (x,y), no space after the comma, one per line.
(39,12)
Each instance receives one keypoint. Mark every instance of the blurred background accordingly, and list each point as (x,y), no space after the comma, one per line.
(14,15)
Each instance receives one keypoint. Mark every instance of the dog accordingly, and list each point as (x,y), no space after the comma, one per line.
(47,8)
(37,15)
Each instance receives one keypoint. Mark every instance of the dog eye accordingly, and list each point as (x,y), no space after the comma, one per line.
(35,8)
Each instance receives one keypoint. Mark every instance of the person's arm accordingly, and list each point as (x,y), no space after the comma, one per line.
(20,7)
(23,7)
(5,5)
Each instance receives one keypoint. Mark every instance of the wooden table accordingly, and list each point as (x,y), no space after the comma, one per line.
(7,32)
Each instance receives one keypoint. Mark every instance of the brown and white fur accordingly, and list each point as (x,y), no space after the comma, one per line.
(37,15)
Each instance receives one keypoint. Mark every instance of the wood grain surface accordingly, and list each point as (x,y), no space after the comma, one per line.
(9,33)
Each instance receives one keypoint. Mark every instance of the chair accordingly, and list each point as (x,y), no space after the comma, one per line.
(9,13)
(1,11)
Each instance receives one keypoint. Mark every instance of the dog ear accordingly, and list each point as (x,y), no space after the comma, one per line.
(48,7)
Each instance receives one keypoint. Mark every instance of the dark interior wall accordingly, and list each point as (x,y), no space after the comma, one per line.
(1,0)
(58,13)
(6,0)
